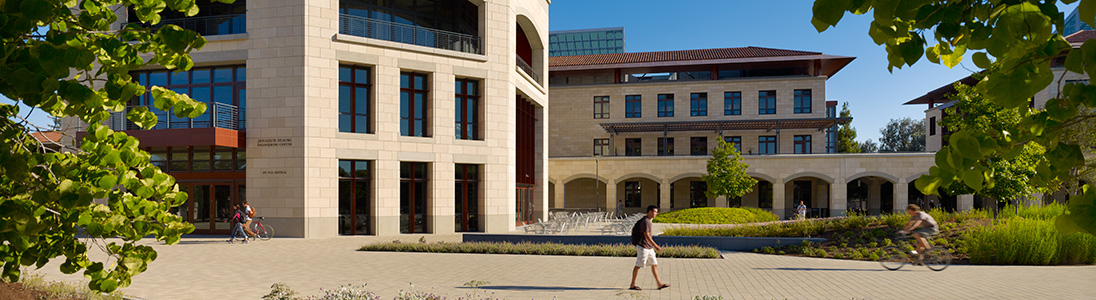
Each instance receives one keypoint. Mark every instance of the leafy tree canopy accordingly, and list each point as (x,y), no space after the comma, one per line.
(727,173)
(63,57)
(903,135)
(868,146)
(1013,42)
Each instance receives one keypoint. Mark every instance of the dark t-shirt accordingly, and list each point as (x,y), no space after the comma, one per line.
(642,226)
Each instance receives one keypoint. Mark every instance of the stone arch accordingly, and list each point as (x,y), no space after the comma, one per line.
(825,178)
(639,175)
(762,176)
(531,31)
(686,175)
(891,178)
(911,179)
(584,176)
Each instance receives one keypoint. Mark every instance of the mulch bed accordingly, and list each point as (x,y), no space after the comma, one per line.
(16,291)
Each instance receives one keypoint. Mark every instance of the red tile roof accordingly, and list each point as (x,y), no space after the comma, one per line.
(677,55)
(47,136)
(1081,36)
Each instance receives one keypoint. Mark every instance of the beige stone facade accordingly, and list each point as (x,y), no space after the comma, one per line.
(293,51)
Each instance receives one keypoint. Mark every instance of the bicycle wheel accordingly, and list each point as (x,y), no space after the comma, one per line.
(268,232)
(937,258)
(893,258)
(262,231)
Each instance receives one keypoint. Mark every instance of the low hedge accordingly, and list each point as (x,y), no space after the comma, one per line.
(716,215)
(624,250)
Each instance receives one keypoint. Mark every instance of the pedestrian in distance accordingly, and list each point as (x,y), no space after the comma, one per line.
(802,210)
(646,248)
(237,224)
(248,212)
(620,208)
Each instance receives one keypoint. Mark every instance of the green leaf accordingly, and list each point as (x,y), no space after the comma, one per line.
(827,13)
(1087,12)
(973,179)
(981,60)
(107,182)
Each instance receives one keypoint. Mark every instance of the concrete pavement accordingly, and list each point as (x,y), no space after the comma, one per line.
(209,268)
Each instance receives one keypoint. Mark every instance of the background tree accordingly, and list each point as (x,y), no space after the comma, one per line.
(846,134)
(1014,43)
(1082,133)
(903,135)
(727,173)
(868,146)
(1012,177)
(79,68)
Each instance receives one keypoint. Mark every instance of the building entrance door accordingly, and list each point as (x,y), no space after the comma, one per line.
(524,209)
(209,206)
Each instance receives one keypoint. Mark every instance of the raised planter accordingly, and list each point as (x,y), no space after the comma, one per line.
(721,243)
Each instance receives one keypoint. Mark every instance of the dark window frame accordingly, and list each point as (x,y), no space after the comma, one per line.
(413,90)
(732,103)
(412,180)
(766,102)
(665,146)
(633,195)
(633,106)
(465,119)
(802,144)
(932,126)
(665,105)
(167,119)
(466,221)
(698,104)
(633,147)
(764,140)
(802,101)
(601,147)
(698,145)
(354,111)
(352,178)
(736,140)
(601,107)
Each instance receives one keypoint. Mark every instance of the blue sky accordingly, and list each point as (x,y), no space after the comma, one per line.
(875,95)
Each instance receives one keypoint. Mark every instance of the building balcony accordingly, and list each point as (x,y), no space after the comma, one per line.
(209,26)
(525,67)
(218,115)
(409,34)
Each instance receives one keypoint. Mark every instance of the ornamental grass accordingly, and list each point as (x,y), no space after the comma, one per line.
(623,250)
(716,215)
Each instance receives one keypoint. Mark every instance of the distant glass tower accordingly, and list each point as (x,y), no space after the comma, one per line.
(586,41)
(1074,24)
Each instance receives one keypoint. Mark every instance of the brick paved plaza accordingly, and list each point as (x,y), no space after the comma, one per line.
(209,268)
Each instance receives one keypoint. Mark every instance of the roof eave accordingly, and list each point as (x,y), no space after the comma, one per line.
(705,62)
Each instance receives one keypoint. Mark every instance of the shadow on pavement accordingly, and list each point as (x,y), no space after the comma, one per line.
(821,269)
(538,288)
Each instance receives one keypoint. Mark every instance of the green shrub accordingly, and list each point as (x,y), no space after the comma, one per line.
(767,250)
(1028,241)
(873,244)
(716,215)
(856,255)
(541,249)
(887,243)
(780,252)
(873,257)
(839,255)
(844,245)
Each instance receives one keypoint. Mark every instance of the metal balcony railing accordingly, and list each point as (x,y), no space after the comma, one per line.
(524,66)
(218,115)
(206,26)
(409,34)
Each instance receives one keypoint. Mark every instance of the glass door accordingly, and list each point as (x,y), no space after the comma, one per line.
(222,205)
(524,208)
(199,198)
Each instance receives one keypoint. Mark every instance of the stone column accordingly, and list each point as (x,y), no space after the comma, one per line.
(609,202)
(901,195)
(561,193)
(664,195)
(721,201)
(839,198)
(778,200)
(875,197)
(965,202)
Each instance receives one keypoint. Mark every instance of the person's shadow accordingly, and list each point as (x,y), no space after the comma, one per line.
(821,269)
(537,288)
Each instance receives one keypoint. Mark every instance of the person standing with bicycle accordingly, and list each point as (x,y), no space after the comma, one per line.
(248,213)
(922,226)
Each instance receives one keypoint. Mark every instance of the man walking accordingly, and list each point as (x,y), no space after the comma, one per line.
(645,248)
(802,210)
(248,213)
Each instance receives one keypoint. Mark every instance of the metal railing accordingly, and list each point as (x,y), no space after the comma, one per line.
(524,66)
(409,34)
(206,26)
(218,115)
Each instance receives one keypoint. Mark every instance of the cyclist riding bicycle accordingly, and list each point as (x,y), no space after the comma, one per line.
(922,226)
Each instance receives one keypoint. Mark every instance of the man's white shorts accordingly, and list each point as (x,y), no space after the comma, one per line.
(645,257)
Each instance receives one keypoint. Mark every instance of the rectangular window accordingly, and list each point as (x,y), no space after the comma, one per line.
(766,102)
(633,106)
(413,104)
(732,103)
(179,159)
(932,126)
(802,102)
(601,107)
(802,144)
(665,146)
(601,147)
(200,159)
(222,92)
(468,109)
(414,178)
(355,102)
(764,194)
(698,145)
(766,144)
(466,204)
(698,104)
(633,147)
(632,194)
(158,157)
(665,105)
(222,159)
(736,140)
(355,196)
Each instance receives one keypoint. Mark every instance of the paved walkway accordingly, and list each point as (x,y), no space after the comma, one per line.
(209,268)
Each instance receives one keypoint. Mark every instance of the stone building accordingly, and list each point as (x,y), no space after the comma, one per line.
(350,117)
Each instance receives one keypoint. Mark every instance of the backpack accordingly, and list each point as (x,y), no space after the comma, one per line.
(252,213)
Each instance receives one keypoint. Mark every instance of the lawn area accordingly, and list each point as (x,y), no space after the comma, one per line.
(1025,238)
(716,215)
(624,250)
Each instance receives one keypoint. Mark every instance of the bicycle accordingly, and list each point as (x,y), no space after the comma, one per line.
(262,231)
(935,258)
